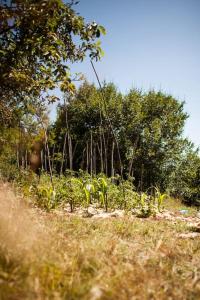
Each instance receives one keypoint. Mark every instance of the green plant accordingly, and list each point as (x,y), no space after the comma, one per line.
(88,192)
(102,191)
(46,197)
(127,195)
(69,190)
(159,197)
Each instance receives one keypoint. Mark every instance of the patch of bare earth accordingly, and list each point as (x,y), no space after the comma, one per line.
(63,256)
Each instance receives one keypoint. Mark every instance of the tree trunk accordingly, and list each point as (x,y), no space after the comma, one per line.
(91,154)
(45,156)
(70,152)
(26,159)
(101,152)
(112,160)
(94,161)
(132,158)
(18,163)
(105,156)
(83,159)
(63,153)
(53,157)
(87,158)
(49,159)
(42,159)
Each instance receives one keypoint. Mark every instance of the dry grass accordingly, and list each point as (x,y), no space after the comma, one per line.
(51,256)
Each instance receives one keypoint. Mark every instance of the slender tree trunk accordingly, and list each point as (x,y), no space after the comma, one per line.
(141,177)
(53,157)
(83,159)
(112,160)
(94,160)
(132,158)
(69,139)
(23,161)
(49,159)
(91,153)
(106,162)
(101,158)
(63,153)
(17,154)
(87,158)
(74,150)
(105,155)
(26,159)
(101,152)
(70,152)
(42,159)
(45,156)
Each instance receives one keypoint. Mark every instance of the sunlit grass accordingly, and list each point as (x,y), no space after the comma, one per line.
(54,256)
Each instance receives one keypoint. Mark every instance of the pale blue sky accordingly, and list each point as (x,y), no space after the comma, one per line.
(150,44)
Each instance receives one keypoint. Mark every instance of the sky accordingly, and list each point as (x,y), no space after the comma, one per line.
(150,44)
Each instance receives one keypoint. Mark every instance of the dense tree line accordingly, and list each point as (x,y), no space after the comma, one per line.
(137,135)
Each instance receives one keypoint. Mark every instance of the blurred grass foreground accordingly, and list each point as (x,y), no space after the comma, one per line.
(51,255)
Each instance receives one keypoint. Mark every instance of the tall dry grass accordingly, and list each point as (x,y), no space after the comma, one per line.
(23,235)
(52,256)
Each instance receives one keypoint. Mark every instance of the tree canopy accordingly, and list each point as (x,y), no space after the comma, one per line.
(38,40)
(148,128)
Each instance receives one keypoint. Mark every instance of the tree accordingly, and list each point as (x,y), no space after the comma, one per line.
(38,40)
(185,178)
(93,139)
(155,123)
(147,126)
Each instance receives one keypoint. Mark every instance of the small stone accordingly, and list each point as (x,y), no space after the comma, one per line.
(190,235)
(92,210)
(96,293)
(86,214)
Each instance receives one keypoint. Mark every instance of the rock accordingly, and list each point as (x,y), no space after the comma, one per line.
(95,293)
(183,211)
(86,214)
(189,235)
(92,210)
(118,213)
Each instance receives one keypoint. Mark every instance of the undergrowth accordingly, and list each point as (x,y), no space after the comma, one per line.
(84,190)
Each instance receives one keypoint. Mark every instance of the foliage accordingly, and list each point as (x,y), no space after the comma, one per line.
(8,158)
(144,130)
(139,133)
(103,192)
(38,41)
(84,191)
(185,178)
(46,197)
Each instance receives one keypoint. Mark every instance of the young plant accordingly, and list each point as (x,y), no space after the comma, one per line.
(75,192)
(88,190)
(103,190)
(46,197)
(160,198)
(127,193)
